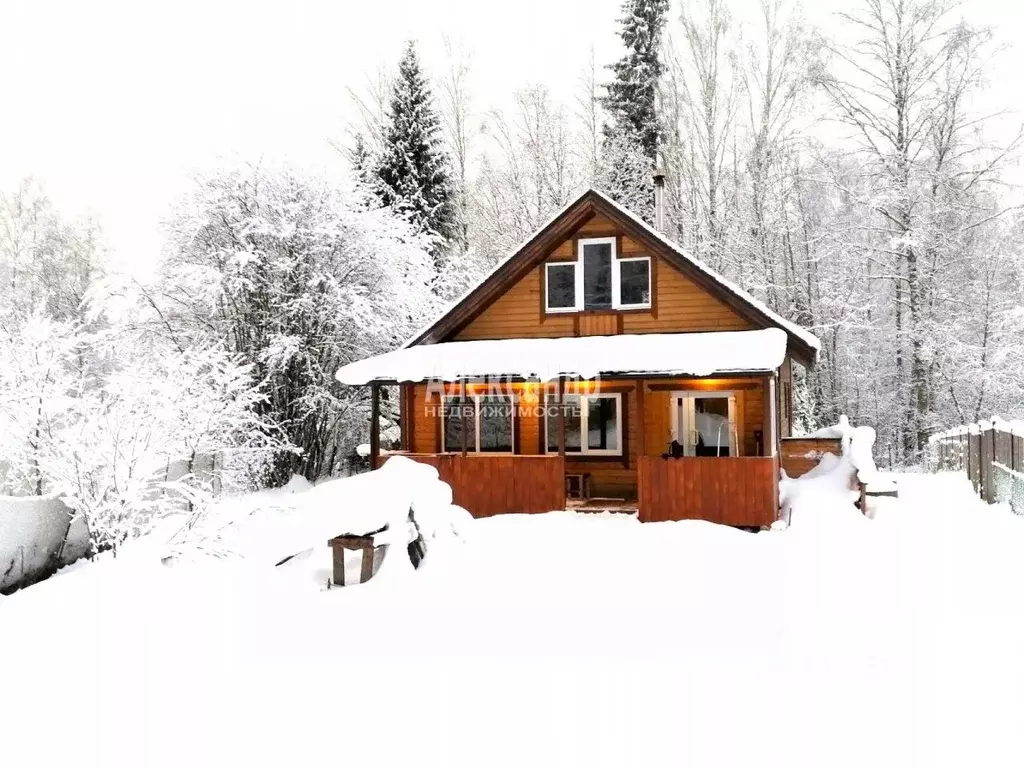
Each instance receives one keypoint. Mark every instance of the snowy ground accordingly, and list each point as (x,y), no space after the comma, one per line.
(547,640)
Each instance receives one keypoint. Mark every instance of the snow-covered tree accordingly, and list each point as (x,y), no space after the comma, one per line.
(414,168)
(46,261)
(533,165)
(632,134)
(631,100)
(297,275)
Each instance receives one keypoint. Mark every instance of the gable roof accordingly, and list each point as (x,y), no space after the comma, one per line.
(560,227)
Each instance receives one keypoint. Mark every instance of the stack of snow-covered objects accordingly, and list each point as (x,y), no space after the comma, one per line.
(837,482)
(402,504)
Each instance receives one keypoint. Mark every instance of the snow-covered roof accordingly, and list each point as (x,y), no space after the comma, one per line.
(790,327)
(679,354)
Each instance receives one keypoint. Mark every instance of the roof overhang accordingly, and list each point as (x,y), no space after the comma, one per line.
(712,354)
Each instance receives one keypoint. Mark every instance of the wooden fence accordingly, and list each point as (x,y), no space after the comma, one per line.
(988,454)
(739,491)
(494,485)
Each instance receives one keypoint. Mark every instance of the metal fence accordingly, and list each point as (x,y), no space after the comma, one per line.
(991,454)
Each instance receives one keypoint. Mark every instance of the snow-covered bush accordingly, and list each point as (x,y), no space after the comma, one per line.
(104,435)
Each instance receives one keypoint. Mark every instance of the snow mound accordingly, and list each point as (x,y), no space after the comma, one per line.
(32,538)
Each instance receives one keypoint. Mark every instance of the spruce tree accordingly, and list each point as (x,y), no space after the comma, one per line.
(414,170)
(363,165)
(631,136)
(632,93)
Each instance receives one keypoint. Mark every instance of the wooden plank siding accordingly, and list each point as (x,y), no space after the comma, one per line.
(801,454)
(495,485)
(678,305)
(611,476)
(738,491)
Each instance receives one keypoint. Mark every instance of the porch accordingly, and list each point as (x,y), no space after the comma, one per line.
(739,491)
(664,444)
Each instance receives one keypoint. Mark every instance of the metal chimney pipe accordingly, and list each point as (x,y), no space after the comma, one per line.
(659,200)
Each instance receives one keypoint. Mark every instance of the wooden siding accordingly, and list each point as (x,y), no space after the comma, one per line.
(494,485)
(801,454)
(678,304)
(741,491)
(611,476)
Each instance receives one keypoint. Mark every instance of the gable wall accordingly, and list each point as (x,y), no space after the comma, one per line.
(679,304)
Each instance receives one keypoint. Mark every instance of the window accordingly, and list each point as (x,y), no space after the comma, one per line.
(489,423)
(597,257)
(561,286)
(597,280)
(593,424)
(634,283)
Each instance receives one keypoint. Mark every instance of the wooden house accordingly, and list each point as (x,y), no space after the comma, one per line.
(600,365)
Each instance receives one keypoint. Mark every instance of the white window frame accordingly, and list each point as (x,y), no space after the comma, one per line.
(581,258)
(476,421)
(547,282)
(579,303)
(585,450)
(617,284)
(735,443)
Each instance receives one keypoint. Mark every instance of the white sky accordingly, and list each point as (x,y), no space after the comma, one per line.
(112,104)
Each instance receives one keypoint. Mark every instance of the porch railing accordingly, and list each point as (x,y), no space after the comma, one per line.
(739,491)
(494,485)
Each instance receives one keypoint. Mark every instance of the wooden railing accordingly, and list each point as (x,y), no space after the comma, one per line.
(739,491)
(802,454)
(494,485)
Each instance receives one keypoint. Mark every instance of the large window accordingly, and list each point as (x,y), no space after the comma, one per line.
(489,419)
(593,424)
(598,280)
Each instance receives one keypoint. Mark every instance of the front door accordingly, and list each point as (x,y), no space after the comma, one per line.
(704,423)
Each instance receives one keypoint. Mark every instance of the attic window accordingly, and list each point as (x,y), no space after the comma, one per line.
(597,280)
(561,286)
(597,257)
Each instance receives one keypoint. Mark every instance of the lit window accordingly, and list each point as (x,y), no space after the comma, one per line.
(593,424)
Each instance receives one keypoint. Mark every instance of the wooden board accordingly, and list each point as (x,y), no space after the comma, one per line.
(739,491)
(802,454)
(494,485)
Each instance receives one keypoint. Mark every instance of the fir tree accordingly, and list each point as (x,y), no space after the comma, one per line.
(363,164)
(414,170)
(631,94)
(631,136)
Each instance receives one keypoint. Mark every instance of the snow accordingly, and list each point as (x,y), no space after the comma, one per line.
(693,354)
(32,532)
(546,640)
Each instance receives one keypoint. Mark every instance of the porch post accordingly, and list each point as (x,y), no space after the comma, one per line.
(462,415)
(640,444)
(561,417)
(374,425)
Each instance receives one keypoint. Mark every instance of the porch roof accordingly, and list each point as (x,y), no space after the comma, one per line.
(652,354)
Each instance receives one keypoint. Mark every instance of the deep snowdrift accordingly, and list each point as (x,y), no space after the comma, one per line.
(547,640)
